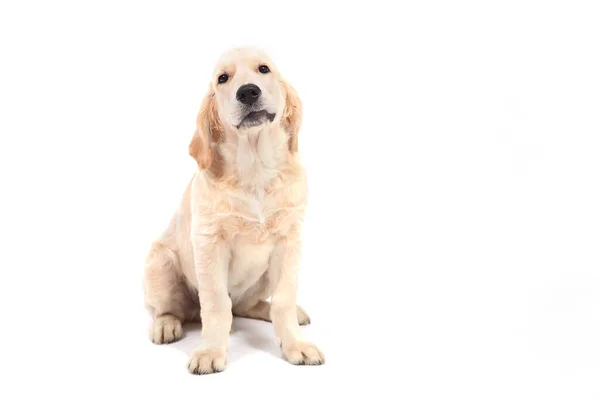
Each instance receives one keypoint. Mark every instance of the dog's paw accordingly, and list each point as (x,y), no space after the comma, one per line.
(303,353)
(303,318)
(166,329)
(207,361)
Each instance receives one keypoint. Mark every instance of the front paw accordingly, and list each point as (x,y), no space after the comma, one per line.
(207,361)
(303,353)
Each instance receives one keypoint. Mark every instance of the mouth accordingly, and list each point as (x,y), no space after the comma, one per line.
(255,118)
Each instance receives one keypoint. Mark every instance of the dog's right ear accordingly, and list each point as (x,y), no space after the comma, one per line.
(292,114)
(208,131)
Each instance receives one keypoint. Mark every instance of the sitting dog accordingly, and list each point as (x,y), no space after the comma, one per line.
(234,241)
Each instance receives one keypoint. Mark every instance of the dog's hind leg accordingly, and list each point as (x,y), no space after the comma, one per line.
(251,305)
(167,297)
(262,311)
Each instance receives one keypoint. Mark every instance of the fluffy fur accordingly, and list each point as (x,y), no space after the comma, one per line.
(234,241)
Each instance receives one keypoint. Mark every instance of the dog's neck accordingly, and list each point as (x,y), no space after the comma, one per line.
(255,157)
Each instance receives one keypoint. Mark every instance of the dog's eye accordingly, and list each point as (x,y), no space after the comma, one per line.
(263,69)
(223,78)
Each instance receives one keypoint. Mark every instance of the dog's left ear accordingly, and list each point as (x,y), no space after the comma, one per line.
(208,131)
(292,115)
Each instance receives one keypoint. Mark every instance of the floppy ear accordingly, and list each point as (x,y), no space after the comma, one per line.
(292,114)
(208,131)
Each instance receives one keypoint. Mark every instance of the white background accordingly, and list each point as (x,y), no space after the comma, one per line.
(452,238)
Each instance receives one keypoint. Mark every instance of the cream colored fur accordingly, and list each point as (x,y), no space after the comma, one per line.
(234,241)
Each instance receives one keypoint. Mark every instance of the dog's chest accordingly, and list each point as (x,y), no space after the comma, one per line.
(249,261)
(252,241)
(253,206)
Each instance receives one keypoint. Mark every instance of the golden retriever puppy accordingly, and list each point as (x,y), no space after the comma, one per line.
(234,241)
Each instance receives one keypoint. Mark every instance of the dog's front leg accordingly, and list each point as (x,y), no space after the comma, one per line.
(211,258)
(284,267)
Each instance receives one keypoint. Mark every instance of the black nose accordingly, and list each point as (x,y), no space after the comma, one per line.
(248,94)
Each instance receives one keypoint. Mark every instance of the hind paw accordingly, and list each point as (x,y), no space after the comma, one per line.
(166,329)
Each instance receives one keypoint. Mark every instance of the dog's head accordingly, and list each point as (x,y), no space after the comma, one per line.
(246,93)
